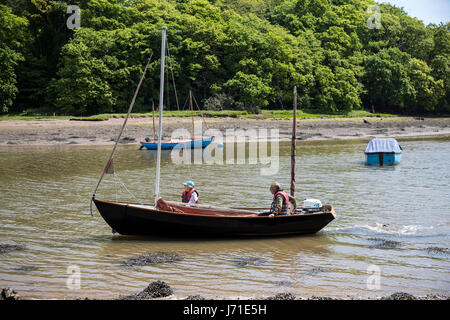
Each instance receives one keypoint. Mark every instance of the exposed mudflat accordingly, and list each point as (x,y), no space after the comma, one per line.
(66,132)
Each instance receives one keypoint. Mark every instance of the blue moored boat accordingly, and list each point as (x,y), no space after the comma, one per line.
(179,144)
(383,152)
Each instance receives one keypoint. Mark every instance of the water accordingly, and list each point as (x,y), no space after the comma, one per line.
(44,204)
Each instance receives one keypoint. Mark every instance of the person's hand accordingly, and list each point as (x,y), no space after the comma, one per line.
(271,215)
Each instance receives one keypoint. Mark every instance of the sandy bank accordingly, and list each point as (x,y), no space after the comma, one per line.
(63,132)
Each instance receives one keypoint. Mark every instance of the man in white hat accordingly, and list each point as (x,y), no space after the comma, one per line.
(190,194)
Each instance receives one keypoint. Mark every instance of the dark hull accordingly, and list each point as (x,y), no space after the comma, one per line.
(130,220)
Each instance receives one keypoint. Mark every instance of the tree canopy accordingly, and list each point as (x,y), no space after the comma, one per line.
(238,53)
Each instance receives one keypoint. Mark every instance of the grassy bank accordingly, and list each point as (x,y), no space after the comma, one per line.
(265,114)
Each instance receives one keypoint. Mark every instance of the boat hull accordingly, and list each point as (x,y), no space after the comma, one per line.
(135,219)
(195,144)
(383,158)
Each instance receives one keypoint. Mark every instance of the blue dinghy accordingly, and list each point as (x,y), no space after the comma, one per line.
(383,152)
(179,144)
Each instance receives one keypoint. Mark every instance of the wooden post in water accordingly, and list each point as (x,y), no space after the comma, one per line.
(293,145)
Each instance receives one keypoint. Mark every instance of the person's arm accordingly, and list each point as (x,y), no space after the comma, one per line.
(293,201)
(278,205)
(194,198)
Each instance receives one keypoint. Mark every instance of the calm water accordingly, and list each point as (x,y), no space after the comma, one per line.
(44,205)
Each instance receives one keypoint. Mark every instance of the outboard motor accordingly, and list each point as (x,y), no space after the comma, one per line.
(311,205)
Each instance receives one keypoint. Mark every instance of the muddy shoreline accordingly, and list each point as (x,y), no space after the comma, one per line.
(67,132)
(160,290)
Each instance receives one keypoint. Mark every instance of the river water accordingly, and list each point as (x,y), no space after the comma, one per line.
(387,220)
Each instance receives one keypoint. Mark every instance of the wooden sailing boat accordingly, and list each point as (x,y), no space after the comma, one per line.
(175,219)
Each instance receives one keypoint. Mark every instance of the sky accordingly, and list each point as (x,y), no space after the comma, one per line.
(429,11)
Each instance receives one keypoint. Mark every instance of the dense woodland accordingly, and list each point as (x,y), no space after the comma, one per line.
(233,54)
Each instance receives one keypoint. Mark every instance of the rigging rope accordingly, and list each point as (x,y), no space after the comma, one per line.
(184,105)
(110,159)
(204,121)
(168,91)
(115,185)
(173,78)
(117,178)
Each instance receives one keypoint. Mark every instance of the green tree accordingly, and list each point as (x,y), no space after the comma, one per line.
(99,71)
(386,80)
(248,52)
(251,89)
(428,91)
(12,38)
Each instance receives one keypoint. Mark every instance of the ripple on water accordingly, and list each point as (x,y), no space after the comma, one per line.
(406,204)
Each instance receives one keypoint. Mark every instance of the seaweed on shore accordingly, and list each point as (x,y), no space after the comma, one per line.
(320,298)
(384,243)
(248,261)
(282,296)
(156,289)
(26,268)
(152,258)
(400,296)
(284,283)
(9,294)
(316,270)
(6,247)
(437,250)
(195,297)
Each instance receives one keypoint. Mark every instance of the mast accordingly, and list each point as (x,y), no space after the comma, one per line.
(293,145)
(161,100)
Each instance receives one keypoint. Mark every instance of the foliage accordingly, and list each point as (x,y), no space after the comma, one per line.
(233,54)
(12,37)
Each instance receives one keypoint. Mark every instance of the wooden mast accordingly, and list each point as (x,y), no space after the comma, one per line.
(293,145)
(161,101)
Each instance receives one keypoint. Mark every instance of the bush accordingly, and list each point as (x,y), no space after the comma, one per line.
(221,101)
